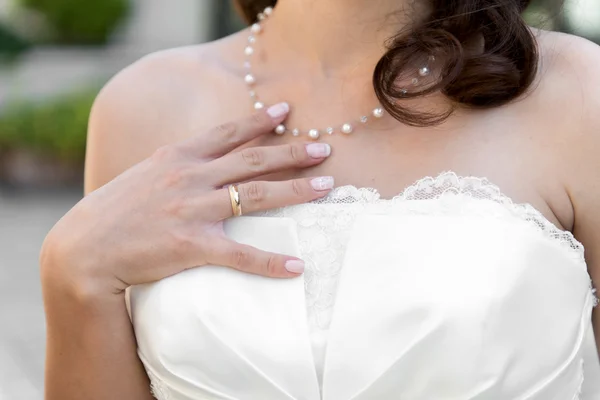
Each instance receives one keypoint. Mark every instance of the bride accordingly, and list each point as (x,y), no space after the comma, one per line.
(461,276)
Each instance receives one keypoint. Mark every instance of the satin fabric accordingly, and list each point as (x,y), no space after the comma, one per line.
(431,305)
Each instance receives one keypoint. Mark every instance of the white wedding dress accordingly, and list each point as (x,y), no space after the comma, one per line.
(449,291)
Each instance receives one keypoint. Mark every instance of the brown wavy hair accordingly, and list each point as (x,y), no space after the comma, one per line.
(483,55)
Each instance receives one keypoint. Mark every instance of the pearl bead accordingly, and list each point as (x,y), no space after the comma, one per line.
(250,79)
(424,71)
(415,81)
(403,92)
(256,28)
(432,58)
(280,130)
(314,133)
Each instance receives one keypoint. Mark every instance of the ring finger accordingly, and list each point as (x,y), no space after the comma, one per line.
(265,195)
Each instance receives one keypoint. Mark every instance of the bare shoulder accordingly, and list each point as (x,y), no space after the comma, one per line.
(566,102)
(572,81)
(159,99)
(569,69)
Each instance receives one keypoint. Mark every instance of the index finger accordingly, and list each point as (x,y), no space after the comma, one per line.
(229,136)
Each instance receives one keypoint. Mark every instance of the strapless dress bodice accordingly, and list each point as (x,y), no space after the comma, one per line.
(449,291)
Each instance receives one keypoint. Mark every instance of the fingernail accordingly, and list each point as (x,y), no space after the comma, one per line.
(322,183)
(278,110)
(295,266)
(318,150)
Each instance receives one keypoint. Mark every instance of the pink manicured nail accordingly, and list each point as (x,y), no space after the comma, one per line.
(295,266)
(278,110)
(322,183)
(318,150)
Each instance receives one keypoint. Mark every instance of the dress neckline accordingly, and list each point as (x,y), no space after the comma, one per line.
(449,183)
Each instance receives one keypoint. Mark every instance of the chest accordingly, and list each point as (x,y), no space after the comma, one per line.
(506,145)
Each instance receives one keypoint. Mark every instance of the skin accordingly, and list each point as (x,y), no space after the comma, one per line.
(540,149)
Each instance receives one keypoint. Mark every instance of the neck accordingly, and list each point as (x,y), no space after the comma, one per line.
(337,35)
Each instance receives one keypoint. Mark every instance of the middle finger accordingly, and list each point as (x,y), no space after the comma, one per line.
(256,161)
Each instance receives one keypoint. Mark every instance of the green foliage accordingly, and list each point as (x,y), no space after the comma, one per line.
(55,128)
(10,44)
(81,21)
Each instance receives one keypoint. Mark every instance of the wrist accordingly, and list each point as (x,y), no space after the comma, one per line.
(62,271)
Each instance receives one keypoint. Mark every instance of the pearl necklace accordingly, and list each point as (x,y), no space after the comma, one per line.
(347,127)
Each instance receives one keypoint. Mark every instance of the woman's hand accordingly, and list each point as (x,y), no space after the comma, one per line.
(165,214)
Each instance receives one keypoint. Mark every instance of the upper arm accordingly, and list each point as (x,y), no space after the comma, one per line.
(582,157)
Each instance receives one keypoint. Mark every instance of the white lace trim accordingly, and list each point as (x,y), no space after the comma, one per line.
(324,234)
(449,183)
(323,237)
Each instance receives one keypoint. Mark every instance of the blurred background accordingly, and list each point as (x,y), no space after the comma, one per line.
(55,55)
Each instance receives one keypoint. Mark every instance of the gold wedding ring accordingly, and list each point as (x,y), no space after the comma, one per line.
(236,205)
